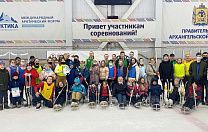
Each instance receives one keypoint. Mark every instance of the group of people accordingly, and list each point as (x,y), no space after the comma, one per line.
(122,76)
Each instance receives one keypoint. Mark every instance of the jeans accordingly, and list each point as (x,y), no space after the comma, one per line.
(121,98)
(15,100)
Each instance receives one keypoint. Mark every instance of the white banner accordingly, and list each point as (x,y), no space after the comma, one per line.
(185,22)
(84,54)
(32,21)
(114,30)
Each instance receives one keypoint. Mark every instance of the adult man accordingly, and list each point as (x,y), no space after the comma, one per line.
(90,59)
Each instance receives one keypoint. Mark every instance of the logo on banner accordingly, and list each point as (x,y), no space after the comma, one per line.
(200,16)
(7,22)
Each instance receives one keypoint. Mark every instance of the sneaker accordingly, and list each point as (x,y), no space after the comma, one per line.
(72,104)
(120,105)
(76,104)
(59,106)
(55,106)
(18,106)
(38,107)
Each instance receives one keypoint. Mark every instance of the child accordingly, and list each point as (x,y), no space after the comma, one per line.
(46,72)
(77,90)
(61,92)
(174,96)
(16,83)
(142,89)
(32,73)
(132,85)
(45,93)
(4,81)
(190,95)
(21,69)
(93,93)
(155,90)
(119,91)
(104,92)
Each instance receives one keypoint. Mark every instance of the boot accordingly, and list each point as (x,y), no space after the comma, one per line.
(1,106)
(14,106)
(6,106)
(18,106)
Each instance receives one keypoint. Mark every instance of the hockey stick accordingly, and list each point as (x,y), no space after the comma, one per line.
(58,96)
(194,97)
(111,103)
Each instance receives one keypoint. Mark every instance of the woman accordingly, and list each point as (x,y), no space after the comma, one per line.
(61,77)
(142,89)
(142,69)
(152,70)
(104,72)
(94,72)
(133,70)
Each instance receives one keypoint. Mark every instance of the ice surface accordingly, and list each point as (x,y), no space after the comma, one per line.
(111,119)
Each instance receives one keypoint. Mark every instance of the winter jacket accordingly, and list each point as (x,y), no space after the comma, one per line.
(34,75)
(119,89)
(38,69)
(4,79)
(63,93)
(76,64)
(15,83)
(133,73)
(89,62)
(78,88)
(155,89)
(129,88)
(187,65)
(150,71)
(70,78)
(143,89)
(43,73)
(84,72)
(202,70)
(166,70)
(94,74)
(190,93)
(104,73)
(93,91)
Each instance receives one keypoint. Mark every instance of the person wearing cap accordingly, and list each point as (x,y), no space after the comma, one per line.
(205,82)
(59,70)
(11,68)
(190,102)
(16,83)
(172,59)
(198,71)
(30,72)
(20,70)
(166,70)
(45,93)
(71,76)
(187,62)
(89,60)
(32,60)
(47,71)
(4,82)
(94,72)
(17,60)
(38,68)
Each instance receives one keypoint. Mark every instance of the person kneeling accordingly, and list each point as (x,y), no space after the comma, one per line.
(194,92)
(77,90)
(119,91)
(46,93)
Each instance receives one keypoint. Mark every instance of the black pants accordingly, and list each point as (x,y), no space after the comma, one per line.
(3,94)
(47,102)
(189,103)
(61,100)
(111,84)
(104,98)
(133,99)
(101,81)
(141,97)
(175,97)
(92,98)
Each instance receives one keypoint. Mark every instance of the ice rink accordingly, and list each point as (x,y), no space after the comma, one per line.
(111,119)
